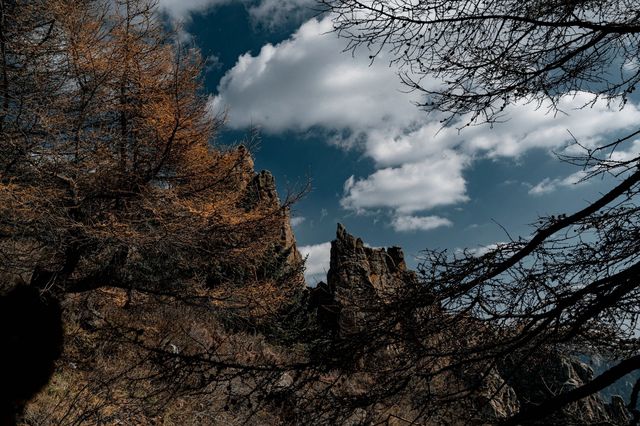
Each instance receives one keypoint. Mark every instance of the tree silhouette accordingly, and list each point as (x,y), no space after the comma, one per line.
(485,55)
(573,286)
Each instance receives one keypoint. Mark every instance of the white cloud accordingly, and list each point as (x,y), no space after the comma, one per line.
(631,65)
(482,250)
(273,13)
(297,220)
(317,264)
(546,186)
(530,127)
(419,223)
(619,155)
(479,251)
(181,9)
(527,128)
(623,155)
(411,187)
(212,63)
(549,185)
(307,82)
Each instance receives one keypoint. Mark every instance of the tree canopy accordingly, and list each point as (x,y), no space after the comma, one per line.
(106,161)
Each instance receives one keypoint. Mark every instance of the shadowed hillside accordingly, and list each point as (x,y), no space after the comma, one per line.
(265,352)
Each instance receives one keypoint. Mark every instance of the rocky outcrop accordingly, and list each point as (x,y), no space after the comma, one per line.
(381,272)
(363,281)
(260,193)
(360,282)
(549,374)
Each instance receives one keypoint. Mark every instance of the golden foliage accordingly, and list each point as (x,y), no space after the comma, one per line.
(119,170)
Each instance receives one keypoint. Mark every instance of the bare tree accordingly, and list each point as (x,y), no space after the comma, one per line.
(485,55)
(573,287)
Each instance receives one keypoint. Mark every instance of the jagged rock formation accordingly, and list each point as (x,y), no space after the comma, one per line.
(259,193)
(255,202)
(379,271)
(361,281)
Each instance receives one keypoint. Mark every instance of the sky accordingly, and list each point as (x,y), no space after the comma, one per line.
(376,163)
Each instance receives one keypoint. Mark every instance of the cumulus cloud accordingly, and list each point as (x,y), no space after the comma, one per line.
(317,263)
(419,223)
(528,127)
(531,127)
(307,82)
(411,187)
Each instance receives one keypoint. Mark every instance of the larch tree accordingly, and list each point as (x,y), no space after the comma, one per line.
(108,166)
(109,179)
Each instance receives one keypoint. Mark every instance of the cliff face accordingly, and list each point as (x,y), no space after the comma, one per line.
(261,193)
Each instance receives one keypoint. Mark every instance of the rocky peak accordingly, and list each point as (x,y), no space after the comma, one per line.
(361,280)
(381,272)
(260,193)
(263,187)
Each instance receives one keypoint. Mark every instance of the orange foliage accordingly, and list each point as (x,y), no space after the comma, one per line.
(119,184)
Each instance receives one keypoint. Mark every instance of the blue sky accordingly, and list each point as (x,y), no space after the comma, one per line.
(378,164)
